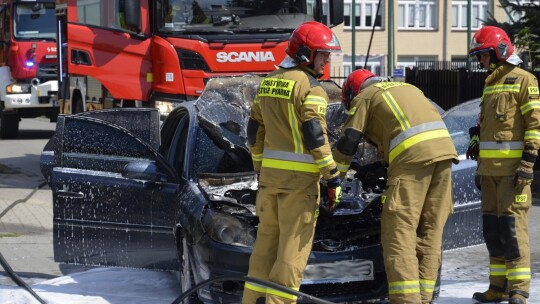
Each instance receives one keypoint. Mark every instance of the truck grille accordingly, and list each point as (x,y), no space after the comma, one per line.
(47,71)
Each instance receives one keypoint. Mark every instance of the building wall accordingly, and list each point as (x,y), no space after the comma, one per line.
(442,43)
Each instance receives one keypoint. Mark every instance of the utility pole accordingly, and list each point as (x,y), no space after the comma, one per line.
(469,26)
(353,38)
(391,37)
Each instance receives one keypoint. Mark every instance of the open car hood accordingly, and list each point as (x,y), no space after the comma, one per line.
(223,113)
(225,105)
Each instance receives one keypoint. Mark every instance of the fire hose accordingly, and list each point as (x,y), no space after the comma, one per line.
(300,295)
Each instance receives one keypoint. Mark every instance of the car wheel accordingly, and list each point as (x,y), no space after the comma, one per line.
(9,125)
(186,274)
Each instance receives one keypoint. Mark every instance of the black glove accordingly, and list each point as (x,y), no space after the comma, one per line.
(524,175)
(370,174)
(524,172)
(474,143)
(333,188)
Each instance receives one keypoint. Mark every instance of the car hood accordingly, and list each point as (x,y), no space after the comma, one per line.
(223,112)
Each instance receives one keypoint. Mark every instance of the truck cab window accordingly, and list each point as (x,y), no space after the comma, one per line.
(205,15)
(4,35)
(103,13)
(34,21)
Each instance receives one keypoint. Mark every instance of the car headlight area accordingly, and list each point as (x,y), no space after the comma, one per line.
(227,229)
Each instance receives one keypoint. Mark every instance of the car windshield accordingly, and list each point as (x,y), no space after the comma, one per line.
(224,108)
(34,20)
(234,16)
(459,119)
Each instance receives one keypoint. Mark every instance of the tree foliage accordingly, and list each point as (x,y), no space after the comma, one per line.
(523,29)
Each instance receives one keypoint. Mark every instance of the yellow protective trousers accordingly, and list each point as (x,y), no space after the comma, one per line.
(287,220)
(416,205)
(505,224)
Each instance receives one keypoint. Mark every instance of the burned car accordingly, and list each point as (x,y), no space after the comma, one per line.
(181,196)
(464,227)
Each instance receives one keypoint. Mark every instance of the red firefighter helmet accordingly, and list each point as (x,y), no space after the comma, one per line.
(353,85)
(491,38)
(309,38)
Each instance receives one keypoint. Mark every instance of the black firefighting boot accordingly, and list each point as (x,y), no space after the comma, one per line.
(490,296)
(518,297)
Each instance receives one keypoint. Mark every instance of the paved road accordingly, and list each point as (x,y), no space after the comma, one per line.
(26,204)
(472,263)
(26,216)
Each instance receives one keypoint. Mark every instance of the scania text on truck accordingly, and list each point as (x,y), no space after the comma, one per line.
(28,63)
(159,53)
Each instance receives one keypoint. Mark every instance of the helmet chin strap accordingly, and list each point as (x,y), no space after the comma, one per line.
(490,69)
(493,62)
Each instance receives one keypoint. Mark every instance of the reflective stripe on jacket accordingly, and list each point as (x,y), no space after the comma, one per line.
(505,149)
(509,120)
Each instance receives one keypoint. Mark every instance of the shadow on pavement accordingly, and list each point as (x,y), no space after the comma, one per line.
(35,134)
(20,172)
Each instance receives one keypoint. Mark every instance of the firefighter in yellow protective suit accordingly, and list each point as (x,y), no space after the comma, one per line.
(413,140)
(505,144)
(289,146)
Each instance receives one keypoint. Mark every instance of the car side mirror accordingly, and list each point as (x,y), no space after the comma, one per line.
(142,170)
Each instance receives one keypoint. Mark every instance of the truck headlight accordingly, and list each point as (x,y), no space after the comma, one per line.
(165,107)
(15,88)
(227,229)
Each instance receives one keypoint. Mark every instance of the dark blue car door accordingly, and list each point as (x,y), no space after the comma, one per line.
(114,196)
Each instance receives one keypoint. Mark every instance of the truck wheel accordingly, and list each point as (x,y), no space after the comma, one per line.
(54,117)
(77,105)
(9,125)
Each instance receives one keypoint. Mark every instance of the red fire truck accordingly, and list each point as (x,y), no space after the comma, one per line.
(157,53)
(28,63)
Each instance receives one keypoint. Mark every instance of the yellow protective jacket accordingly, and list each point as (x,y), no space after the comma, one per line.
(289,143)
(509,120)
(401,122)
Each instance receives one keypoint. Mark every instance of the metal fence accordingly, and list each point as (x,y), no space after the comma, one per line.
(445,65)
(449,87)
(448,83)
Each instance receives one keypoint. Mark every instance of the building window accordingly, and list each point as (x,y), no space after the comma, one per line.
(479,12)
(365,14)
(404,62)
(374,67)
(417,14)
(311,6)
(375,64)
